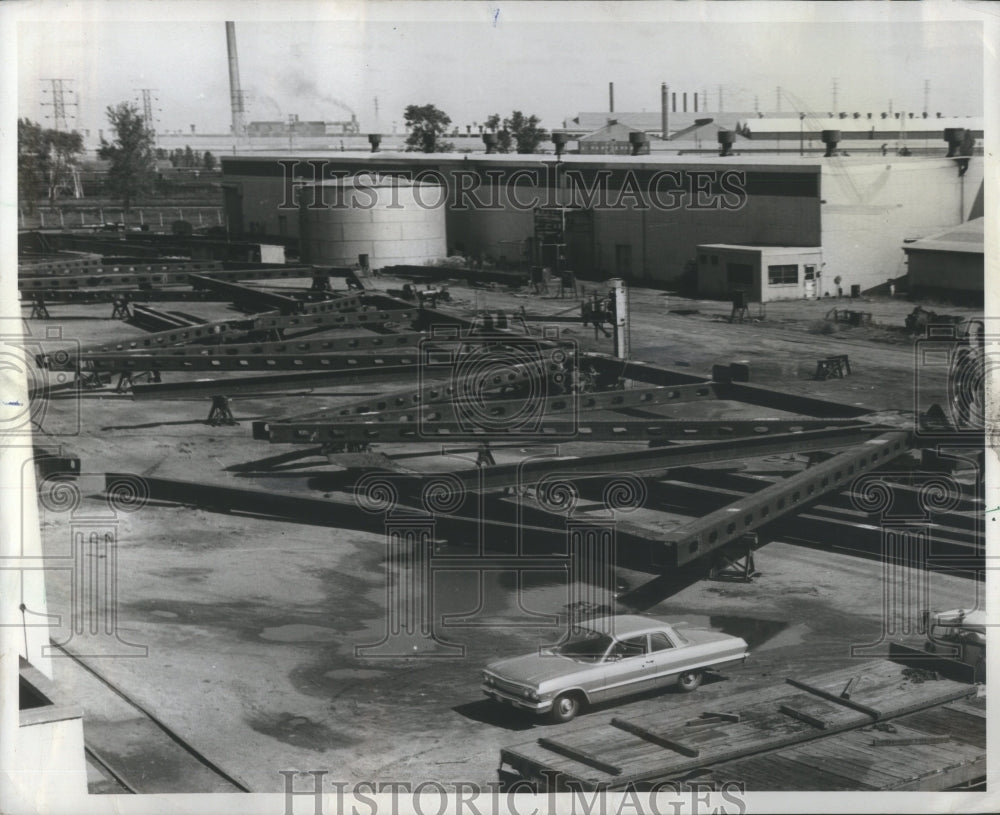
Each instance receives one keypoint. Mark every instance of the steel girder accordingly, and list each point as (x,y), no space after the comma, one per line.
(698,538)
(657,460)
(478,428)
(237,293)
(277,383)
(407,406)
(155,278)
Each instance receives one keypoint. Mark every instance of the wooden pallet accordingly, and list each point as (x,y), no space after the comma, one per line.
(665,745)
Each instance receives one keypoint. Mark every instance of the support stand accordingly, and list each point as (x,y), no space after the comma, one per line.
(39,310)
(221,413)
(736,569)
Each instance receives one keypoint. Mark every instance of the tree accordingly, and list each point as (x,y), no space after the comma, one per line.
(46,160)
(526,132)
(426,125)
(32,162)
(131,155)
(208,161)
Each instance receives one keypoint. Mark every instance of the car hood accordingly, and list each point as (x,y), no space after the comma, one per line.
(533,669)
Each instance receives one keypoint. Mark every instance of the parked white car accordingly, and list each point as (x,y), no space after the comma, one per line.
(608,658)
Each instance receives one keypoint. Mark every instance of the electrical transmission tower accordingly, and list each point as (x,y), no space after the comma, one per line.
(148,112)
(59,103)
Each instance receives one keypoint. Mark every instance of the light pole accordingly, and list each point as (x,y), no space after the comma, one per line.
(802,117)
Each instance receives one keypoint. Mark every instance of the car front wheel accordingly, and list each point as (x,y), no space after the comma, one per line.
(687,682)
(565,708)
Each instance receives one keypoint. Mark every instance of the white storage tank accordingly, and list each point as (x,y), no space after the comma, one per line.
(392,220)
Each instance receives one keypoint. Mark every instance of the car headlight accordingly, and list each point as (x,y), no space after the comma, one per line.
(533,695)
(487,679)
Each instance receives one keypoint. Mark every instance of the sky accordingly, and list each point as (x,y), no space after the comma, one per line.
(473,59)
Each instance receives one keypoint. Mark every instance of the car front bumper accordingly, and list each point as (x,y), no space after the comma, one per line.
(542,706)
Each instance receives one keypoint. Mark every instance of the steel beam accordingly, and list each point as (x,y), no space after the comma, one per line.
(725,525)
(368,342)
(278,383)
(657,460)
(407,406)
(545,428)
(156,320)
(240,294)
(156,278)
(252,362)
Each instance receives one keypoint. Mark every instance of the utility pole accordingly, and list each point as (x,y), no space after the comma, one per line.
(58,102)
(927,95)
(835,110)
(377,129)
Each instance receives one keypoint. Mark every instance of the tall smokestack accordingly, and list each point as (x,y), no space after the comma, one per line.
(685,102)
(664,118)
(696,103)
(611,97)
(235,94)
(673,102)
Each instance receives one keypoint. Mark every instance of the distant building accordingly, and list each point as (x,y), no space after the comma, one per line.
(612,139)
(644,217)
(949,264)
(764,273)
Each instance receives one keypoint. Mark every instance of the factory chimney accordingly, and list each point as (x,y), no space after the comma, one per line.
(664,118)
(235,94)
(611,97)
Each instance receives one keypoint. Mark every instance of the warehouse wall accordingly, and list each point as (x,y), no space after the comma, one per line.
(869,207)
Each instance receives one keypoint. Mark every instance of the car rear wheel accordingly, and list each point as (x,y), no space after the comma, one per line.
(565,707)
(687,682)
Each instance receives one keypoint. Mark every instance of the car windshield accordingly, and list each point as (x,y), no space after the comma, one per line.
(586,646)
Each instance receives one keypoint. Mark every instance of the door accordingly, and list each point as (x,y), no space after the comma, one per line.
(630,669)
(809,281)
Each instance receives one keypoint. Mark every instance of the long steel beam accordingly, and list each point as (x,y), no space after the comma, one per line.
(215,332)
(696,539)
(657,460)
(440,393)
(277,383)
(405,406)
(82,267)
(543,428)
(92,281)
(338,361)
(367,342)
(258,298)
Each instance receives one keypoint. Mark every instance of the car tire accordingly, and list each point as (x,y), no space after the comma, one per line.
(689,681)
(565,708)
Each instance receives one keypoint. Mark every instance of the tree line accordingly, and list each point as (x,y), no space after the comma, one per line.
(428,125)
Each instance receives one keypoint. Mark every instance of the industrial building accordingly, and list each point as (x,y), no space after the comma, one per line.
(643,217)
(949,264)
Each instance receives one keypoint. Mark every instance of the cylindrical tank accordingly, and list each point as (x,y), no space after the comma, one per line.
(392,220)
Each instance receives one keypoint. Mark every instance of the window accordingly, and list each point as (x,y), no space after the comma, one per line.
(809,272)
(634,647)
(714,259)
(782,275)
(660,642)
(703,259)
